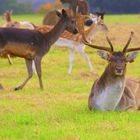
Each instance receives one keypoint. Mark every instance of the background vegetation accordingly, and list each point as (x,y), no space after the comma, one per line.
(115,6)
(60,111)
(32,6)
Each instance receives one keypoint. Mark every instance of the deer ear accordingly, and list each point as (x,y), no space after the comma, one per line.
(130,57)
(64,13)
(103,55)
(11,12)
(58,13)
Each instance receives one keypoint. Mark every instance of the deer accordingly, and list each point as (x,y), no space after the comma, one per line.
(13,24)
(112,90)
(74,41)
(32,45)
(83,5)
(83,8)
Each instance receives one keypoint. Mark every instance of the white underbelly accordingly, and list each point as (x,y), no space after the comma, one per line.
(109,98)
(61,42)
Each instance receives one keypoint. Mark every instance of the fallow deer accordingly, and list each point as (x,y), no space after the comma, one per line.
(82,4)
(13,24)
(113,91)
(32,44)
(51,18)
(74,42)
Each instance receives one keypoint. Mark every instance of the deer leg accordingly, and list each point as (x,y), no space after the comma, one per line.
(37,61)
(9,59)
(71,60)
(81,51)
(34,68)
(91,102)
(30,73)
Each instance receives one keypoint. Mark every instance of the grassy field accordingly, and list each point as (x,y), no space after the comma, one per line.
(60,111)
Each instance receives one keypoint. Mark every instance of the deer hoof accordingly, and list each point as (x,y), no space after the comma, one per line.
(17,88)
(1,87)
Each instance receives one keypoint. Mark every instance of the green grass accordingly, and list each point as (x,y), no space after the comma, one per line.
(60,111)
(135,19)
(38,18)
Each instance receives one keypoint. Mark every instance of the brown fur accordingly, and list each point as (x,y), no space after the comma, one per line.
(68,35)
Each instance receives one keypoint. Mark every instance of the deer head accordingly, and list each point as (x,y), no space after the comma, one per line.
(100,14)
(7,15)
(117,61)
(99,21)
(71,22)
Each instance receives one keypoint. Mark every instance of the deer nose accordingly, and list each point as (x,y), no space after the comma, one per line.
(119,69)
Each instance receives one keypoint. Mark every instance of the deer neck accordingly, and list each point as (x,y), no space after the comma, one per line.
(52,36)
(110,90)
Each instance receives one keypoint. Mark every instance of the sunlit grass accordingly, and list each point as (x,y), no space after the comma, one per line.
(60,112)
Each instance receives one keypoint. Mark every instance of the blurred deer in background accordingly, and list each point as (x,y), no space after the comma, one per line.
(14,24)
(74,42)
(73,4)
(113,91)
(51,18)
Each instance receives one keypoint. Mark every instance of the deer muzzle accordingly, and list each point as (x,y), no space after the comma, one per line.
(119,70)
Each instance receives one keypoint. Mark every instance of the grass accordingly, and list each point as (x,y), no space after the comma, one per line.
(60,111)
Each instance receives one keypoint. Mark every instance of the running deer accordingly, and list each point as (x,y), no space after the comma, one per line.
(13,24)
(33,45)
(74,42)
(113,91)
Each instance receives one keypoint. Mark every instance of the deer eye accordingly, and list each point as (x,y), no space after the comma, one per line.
(72,21)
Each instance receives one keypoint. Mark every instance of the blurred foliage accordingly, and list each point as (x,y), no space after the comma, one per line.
(49,6)
(115,6)
(17,7)
(109,6)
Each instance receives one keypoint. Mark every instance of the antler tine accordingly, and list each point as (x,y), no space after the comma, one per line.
(95,46)
(109,42)
(132,49)
(128,42)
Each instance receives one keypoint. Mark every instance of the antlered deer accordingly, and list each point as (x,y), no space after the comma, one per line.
(112,91)
(32,44)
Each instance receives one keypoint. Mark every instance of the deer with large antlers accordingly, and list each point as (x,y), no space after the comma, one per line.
(112,91)
(33,45)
